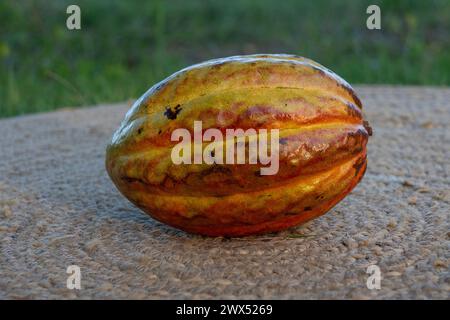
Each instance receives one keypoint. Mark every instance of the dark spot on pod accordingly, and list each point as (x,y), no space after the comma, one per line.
(352,94)
(355,138)
(350,91)
(362,175)
(357,150)
(132,180)
(172,114)
(352,138)
(319,70)
(159,86)
(359,164)
(307,208)
(368,127)
(140,130)
(320,197)
(353,110)
(159,132)
(217,169)
(361,133)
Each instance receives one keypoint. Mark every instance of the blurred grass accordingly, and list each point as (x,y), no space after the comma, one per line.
(126,46)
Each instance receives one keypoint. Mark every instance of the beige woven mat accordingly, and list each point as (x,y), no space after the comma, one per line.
(59,208)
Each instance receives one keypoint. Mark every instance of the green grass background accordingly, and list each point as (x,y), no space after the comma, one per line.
(126,46)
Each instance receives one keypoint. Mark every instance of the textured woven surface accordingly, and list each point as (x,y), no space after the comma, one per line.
(58,207)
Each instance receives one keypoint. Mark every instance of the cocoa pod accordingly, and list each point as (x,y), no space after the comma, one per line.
(322,145)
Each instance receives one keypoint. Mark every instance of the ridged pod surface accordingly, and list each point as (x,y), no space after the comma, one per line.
(322,145)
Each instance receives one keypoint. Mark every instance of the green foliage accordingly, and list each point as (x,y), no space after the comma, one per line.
(126,46)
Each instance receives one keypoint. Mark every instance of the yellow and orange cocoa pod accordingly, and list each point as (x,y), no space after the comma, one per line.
(322,145)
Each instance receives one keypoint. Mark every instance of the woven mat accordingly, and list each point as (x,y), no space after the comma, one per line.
(59,208)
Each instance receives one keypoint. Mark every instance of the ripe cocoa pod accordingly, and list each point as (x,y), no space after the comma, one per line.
(322,145)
